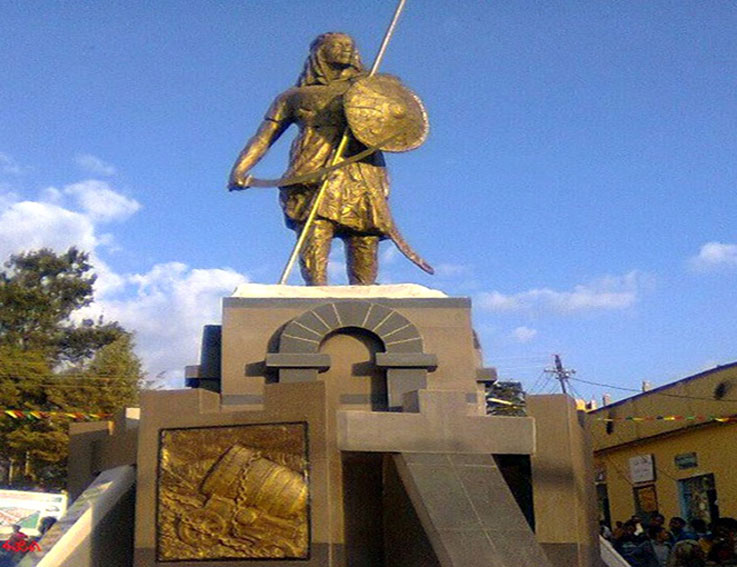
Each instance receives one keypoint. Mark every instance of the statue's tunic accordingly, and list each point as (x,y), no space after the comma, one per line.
(355,196)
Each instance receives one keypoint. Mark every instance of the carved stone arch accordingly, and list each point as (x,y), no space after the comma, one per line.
(298,358)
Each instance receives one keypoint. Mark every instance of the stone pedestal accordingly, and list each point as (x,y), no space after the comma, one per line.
(563,479)
(343,431)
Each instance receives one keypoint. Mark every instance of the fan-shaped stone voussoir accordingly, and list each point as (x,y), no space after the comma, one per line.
(305,333)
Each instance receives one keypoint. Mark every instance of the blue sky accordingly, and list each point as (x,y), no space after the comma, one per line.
(578,182)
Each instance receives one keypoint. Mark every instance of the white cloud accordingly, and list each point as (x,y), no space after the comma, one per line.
(166,306)
(9,165)
(715,255)
(604,294)
(30,225)
(389,255)
(336,271)
(94,165)
(167,309)
(101,202)
(7,198)
(524,334)
(452,270)
(52,195)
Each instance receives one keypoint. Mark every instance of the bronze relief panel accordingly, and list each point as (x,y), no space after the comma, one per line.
(236,492)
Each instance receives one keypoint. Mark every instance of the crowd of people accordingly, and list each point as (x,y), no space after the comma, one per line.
(680,544)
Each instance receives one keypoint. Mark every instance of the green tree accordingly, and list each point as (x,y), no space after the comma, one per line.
(512,398)
(49,362)
(38,293)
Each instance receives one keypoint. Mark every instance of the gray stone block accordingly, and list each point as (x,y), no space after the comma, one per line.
(442,425)
(464,459)
(316,322)
(211,352)
(486,375)
(328,314)
(375,315)
(406,360)
(293,343)
(402,336)
(443,495)
(435,459)
(466,548)
(289,375)
(467,511)
(298,360)
(389,324)
(298,331)
(515,545)
(489,493)
(352,313)
(400,381)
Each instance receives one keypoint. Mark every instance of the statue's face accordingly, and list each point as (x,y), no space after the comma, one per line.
(338,50)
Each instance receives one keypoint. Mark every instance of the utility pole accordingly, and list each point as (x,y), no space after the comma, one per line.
(561,374)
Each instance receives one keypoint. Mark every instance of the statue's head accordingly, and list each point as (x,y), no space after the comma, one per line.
(333,56)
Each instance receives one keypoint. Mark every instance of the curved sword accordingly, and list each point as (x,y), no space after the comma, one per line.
(393,234)
(250,181)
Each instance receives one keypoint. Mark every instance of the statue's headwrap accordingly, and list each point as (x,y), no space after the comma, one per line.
(318,72)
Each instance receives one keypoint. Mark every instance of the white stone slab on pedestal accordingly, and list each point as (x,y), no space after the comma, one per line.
(401,291)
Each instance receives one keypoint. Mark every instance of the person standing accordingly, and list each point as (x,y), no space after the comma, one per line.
(678,530)
(687,553)
(660,542)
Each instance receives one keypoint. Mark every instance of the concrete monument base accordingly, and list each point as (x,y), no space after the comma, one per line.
(348,430)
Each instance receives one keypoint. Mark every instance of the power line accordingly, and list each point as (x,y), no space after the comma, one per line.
(525,367)
(540,356)
(561,374)
(653,392)
(620,472)
(655,463)
(540,382)
(576,393)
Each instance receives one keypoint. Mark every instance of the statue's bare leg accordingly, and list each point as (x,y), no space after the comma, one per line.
(313,260)
(362,259)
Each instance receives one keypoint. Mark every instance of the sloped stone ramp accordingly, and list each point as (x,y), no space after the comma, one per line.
(467,512)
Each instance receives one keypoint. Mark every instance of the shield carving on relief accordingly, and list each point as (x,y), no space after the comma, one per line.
(384,114)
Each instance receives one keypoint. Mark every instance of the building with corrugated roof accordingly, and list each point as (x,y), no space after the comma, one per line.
(672,449)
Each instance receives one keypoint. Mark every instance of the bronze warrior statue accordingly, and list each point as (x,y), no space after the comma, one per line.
(333,92)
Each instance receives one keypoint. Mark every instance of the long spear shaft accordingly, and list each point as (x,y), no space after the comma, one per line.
(337,156)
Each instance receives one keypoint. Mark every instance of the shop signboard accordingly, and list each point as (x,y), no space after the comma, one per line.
(686,461)
(642,469)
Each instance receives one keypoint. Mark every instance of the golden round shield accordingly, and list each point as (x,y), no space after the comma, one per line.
(383,113)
